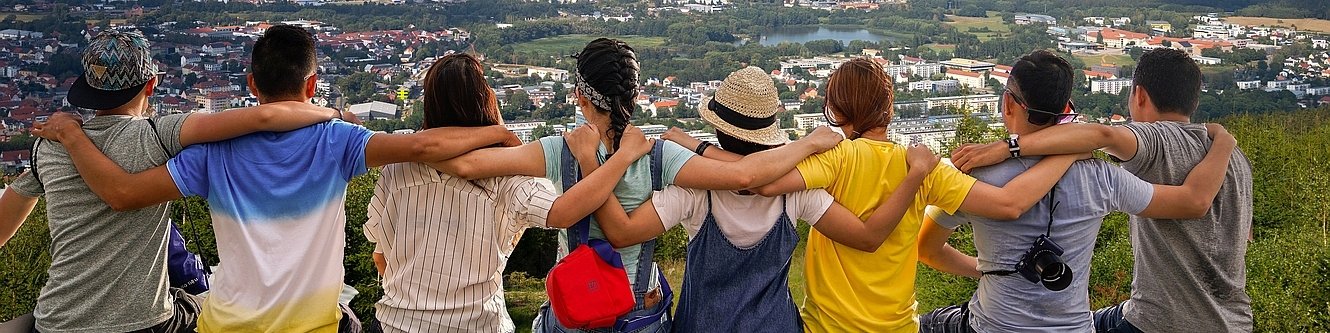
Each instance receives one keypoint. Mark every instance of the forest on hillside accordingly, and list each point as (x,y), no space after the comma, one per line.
(1287,262)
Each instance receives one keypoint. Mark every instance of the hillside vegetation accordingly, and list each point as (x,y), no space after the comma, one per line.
(1287,263)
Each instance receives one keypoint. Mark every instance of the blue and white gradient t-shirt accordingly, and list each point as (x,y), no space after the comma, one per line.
(277,209)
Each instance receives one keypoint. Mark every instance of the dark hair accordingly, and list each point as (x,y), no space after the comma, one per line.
(1045,82)
(1171,78)
(739,146)
(610,67)
(862,93)
(282,59)
(456,94)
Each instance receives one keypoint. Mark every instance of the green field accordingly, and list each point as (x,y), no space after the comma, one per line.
(572,43)
(20,17)
(993,22)
(1113,59)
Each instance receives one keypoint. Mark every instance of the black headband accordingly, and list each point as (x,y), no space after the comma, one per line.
(739,120)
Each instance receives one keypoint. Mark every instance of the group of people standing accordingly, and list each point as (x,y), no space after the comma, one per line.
(453,199)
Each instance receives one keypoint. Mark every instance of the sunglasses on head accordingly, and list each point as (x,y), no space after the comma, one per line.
(1067,115)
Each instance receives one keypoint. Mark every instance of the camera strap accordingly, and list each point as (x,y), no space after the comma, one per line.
(1053,207)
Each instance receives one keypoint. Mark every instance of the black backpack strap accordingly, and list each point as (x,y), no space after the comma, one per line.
(32,160)
(160,143)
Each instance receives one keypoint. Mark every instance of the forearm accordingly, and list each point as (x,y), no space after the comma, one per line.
(449,142)
(104,177)
(765,167)
(615,223)
(1021,193)
(716,153)
(1066,139)
(14,209)
(380,263)
(588,194)
(271,117)
(949,260)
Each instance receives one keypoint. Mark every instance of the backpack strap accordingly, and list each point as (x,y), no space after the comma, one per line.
(570,173)
(32,160)
(160,143)
(657,165)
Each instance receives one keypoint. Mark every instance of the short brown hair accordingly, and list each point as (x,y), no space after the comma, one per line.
(862,93)
(456,94)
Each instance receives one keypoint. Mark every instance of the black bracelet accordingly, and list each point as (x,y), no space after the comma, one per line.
(1014,147)
(702,147)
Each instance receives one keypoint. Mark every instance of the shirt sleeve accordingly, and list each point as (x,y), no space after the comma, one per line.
(189,170)
(528,201)
(357,138)
(553,148)
(1148,148)
(676,205)
(168,130)
(378,224)
(946,187)
(949,221)
(1129,194)
(810,205)
(673,157)
(27,185)
(820,170)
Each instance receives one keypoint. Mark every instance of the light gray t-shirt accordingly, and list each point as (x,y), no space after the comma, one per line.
(1086,193)
(1189,275)
(108,268)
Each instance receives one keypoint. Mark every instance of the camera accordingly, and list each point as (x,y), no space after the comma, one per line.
(1042,263)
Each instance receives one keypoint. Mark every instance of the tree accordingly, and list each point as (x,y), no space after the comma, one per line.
(358,87)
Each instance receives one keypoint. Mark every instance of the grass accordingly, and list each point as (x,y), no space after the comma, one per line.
(993,22)
(1113,59)
(568,44)
(20,17)
(1318,25)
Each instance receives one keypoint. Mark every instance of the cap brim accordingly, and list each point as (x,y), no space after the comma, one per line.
(83,95)
(767,136)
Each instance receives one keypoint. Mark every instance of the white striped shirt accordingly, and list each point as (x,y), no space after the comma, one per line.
(446,241)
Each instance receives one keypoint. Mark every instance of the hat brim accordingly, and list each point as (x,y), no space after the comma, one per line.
(767,136)
(83,95)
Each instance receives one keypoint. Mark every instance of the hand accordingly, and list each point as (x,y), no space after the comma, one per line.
(971,156)
(510,139)
(683,139)
(59,127)
(1215,129)
(921,159)
(349,117)
(823,139)
(1222,137)
(634,143)
(583,142)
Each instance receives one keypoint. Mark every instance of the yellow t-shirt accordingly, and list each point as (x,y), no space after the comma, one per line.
(854,291)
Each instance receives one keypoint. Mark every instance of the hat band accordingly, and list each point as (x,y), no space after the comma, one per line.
(739,120)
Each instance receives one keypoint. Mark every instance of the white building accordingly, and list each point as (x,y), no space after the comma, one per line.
(1023,19)
(1113,86)
(374,110)
(1207,60)
(1253,84)
(926,70)
(807,121)
(523,130)
(1318,91)
(986,103)
(553,74)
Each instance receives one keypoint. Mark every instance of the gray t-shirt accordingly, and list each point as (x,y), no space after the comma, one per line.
(108,268)
(1086,193)
(1190,275)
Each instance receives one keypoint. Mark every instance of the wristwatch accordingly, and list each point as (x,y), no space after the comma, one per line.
(1013,146)
(702,147)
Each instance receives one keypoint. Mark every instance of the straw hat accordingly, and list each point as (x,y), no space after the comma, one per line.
(745,107)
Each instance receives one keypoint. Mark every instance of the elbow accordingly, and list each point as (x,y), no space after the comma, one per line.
(461,170)
(619,241)
(123,205)
(744,181)
(1007,212)
(866,246)
(1198,209)
(765,190)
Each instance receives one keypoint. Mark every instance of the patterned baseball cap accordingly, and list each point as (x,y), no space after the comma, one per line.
(116,65)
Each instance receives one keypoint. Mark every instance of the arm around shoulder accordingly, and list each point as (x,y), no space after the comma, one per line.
(1196,195)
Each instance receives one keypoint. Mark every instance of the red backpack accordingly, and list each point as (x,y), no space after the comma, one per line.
(589,287)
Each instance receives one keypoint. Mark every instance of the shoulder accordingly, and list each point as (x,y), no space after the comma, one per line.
(1004,171)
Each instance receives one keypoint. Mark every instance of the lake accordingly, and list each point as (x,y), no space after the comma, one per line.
(805,34)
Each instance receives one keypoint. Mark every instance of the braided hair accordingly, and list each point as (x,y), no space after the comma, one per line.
(607,71)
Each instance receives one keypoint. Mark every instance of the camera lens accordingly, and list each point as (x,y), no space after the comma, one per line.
(1053,273)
